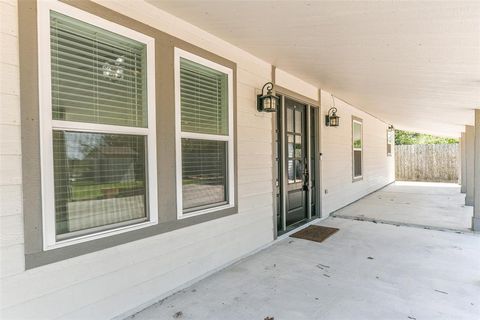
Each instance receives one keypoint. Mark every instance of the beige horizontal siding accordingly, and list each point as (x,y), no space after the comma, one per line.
(378,168)
(11,218)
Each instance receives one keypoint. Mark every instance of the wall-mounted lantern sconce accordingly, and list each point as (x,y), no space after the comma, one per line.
(391,128)
(331,119)
(267,102)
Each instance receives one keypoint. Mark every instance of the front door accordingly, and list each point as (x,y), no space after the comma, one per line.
(296,168)
(297,163)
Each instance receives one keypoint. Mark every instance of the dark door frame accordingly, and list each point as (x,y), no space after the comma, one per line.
(313,156)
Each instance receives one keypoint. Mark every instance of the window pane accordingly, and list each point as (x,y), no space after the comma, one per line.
(298,171)
(357,163)
(290,145)
(204,172)
(97,76)
(99,179)
(298,121)
(298,147)
(391,136)
(204,99)
(289,120)
(357,135)
(291,172)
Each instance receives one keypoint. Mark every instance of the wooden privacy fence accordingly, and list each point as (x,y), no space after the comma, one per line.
(427,162)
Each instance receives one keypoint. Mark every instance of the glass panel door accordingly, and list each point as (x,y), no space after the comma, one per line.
(296,157)
(297,163)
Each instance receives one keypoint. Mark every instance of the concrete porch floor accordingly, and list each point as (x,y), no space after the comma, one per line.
(438,205)
(364,271)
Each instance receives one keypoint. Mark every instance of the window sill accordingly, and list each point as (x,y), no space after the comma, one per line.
(98,235)
(204,211)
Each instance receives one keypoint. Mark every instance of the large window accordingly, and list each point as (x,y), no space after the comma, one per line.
(204,115)
(98,126)
(357,146)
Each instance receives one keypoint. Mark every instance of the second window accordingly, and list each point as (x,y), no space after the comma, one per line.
(204,121)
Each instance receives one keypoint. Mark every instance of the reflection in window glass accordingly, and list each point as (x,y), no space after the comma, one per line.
(357,135)
(290,172)
(298,121)
(204,172)
(290,120)
(99,179)
(298,171)
(298,147)
(290,145)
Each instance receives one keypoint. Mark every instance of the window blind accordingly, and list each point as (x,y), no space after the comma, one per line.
(204,99)
(97,76)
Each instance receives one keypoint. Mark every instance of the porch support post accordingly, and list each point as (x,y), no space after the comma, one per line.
(463,164)
(470,163)
(476,208)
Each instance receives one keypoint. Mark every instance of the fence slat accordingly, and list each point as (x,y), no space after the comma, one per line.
(434,163)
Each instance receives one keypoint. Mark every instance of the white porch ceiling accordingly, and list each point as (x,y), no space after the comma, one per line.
(413,64)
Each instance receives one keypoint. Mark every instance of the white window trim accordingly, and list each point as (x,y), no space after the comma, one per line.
(47,124)
(355,178)
(179,53)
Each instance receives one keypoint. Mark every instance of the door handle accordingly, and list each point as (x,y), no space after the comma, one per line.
(306,176)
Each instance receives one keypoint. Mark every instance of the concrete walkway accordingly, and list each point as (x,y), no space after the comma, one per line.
(438,205)
(364,271)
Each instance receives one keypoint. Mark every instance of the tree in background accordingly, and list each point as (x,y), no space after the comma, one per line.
(408,137)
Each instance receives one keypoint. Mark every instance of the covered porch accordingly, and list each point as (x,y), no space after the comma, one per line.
(207,138)
(364,271)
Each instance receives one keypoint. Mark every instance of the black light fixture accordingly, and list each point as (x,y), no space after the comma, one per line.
(391,128)
(267,102)
(331,119)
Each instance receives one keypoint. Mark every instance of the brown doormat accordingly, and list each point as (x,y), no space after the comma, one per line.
(314,233)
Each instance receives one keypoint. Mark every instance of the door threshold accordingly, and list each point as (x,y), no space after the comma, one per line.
(301,225)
